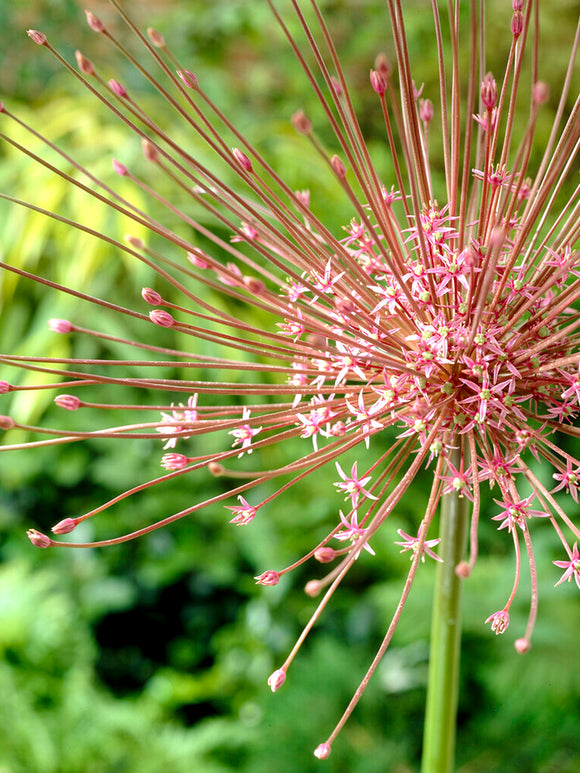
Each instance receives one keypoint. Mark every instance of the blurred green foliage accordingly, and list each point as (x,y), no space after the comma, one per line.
(154,655)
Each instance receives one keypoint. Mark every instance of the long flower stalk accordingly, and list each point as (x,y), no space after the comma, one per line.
(443,319)
(444,657)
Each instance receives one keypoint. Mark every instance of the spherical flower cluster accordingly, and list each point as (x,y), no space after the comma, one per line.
(444,320)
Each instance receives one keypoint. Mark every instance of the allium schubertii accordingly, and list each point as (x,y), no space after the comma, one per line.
(443,318)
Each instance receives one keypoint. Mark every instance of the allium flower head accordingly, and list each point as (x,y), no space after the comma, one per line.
(443,323)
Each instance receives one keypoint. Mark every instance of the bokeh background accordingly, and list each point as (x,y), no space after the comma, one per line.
(153,656)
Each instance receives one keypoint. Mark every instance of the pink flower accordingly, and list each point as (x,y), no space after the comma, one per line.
(571,567)
(353,486)
(245,433)
(499,621)
(413,543)
(243,513)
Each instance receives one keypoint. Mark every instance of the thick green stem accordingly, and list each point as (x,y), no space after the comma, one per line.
(443,685)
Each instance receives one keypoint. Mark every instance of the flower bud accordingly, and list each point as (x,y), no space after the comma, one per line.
(338,167)
(216,469)
(322,751)
(462,570)
(254,285)
(303,197)
(540,93)
(117,88)
(522,646)
(150,152)
(161,318)
(68,402)
(517,24)
(94,22)
(85,65)
(489,91)
(378,82)
(301,122)
(383,66)
(156,38)
(336,86)
(426,110)
(268,578)
(174,461)
(277,679)
(188,78)
(324,555)
(119,168)
(242,159)
(37,37)
(135,242)
(4,387)
(151,296)
(312,588)
(6,422)
(65,526)
(38,539)
(60,325)
(197,261)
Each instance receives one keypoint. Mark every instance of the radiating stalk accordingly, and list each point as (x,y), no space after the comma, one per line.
(443,684)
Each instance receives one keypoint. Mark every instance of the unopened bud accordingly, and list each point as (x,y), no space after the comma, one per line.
(174,461)
(312,588)
(268,578)
(426,110)
(119,168)
(277,679)
(197,261)
(6,422)
(489,91)
(517,24)
(38,539)
(322,751)
(188,78)
(383,66)
(135,242)
(324,555)
(254,285)
(60,325)
(94,22)
(155,37)
(242,159)
(4,387)
(37,37)
(216,469)
(117,88)
(65,526)
(303,197)
(68,402)
(151,296)
(522,646)
(336,86)
(540,92)
(161,318)
(150,152)
(85,65)
(301,122)
(378,82)
(518,5)
(338,167)
(462,570)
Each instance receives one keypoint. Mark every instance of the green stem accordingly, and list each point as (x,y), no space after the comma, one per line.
(443,684)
